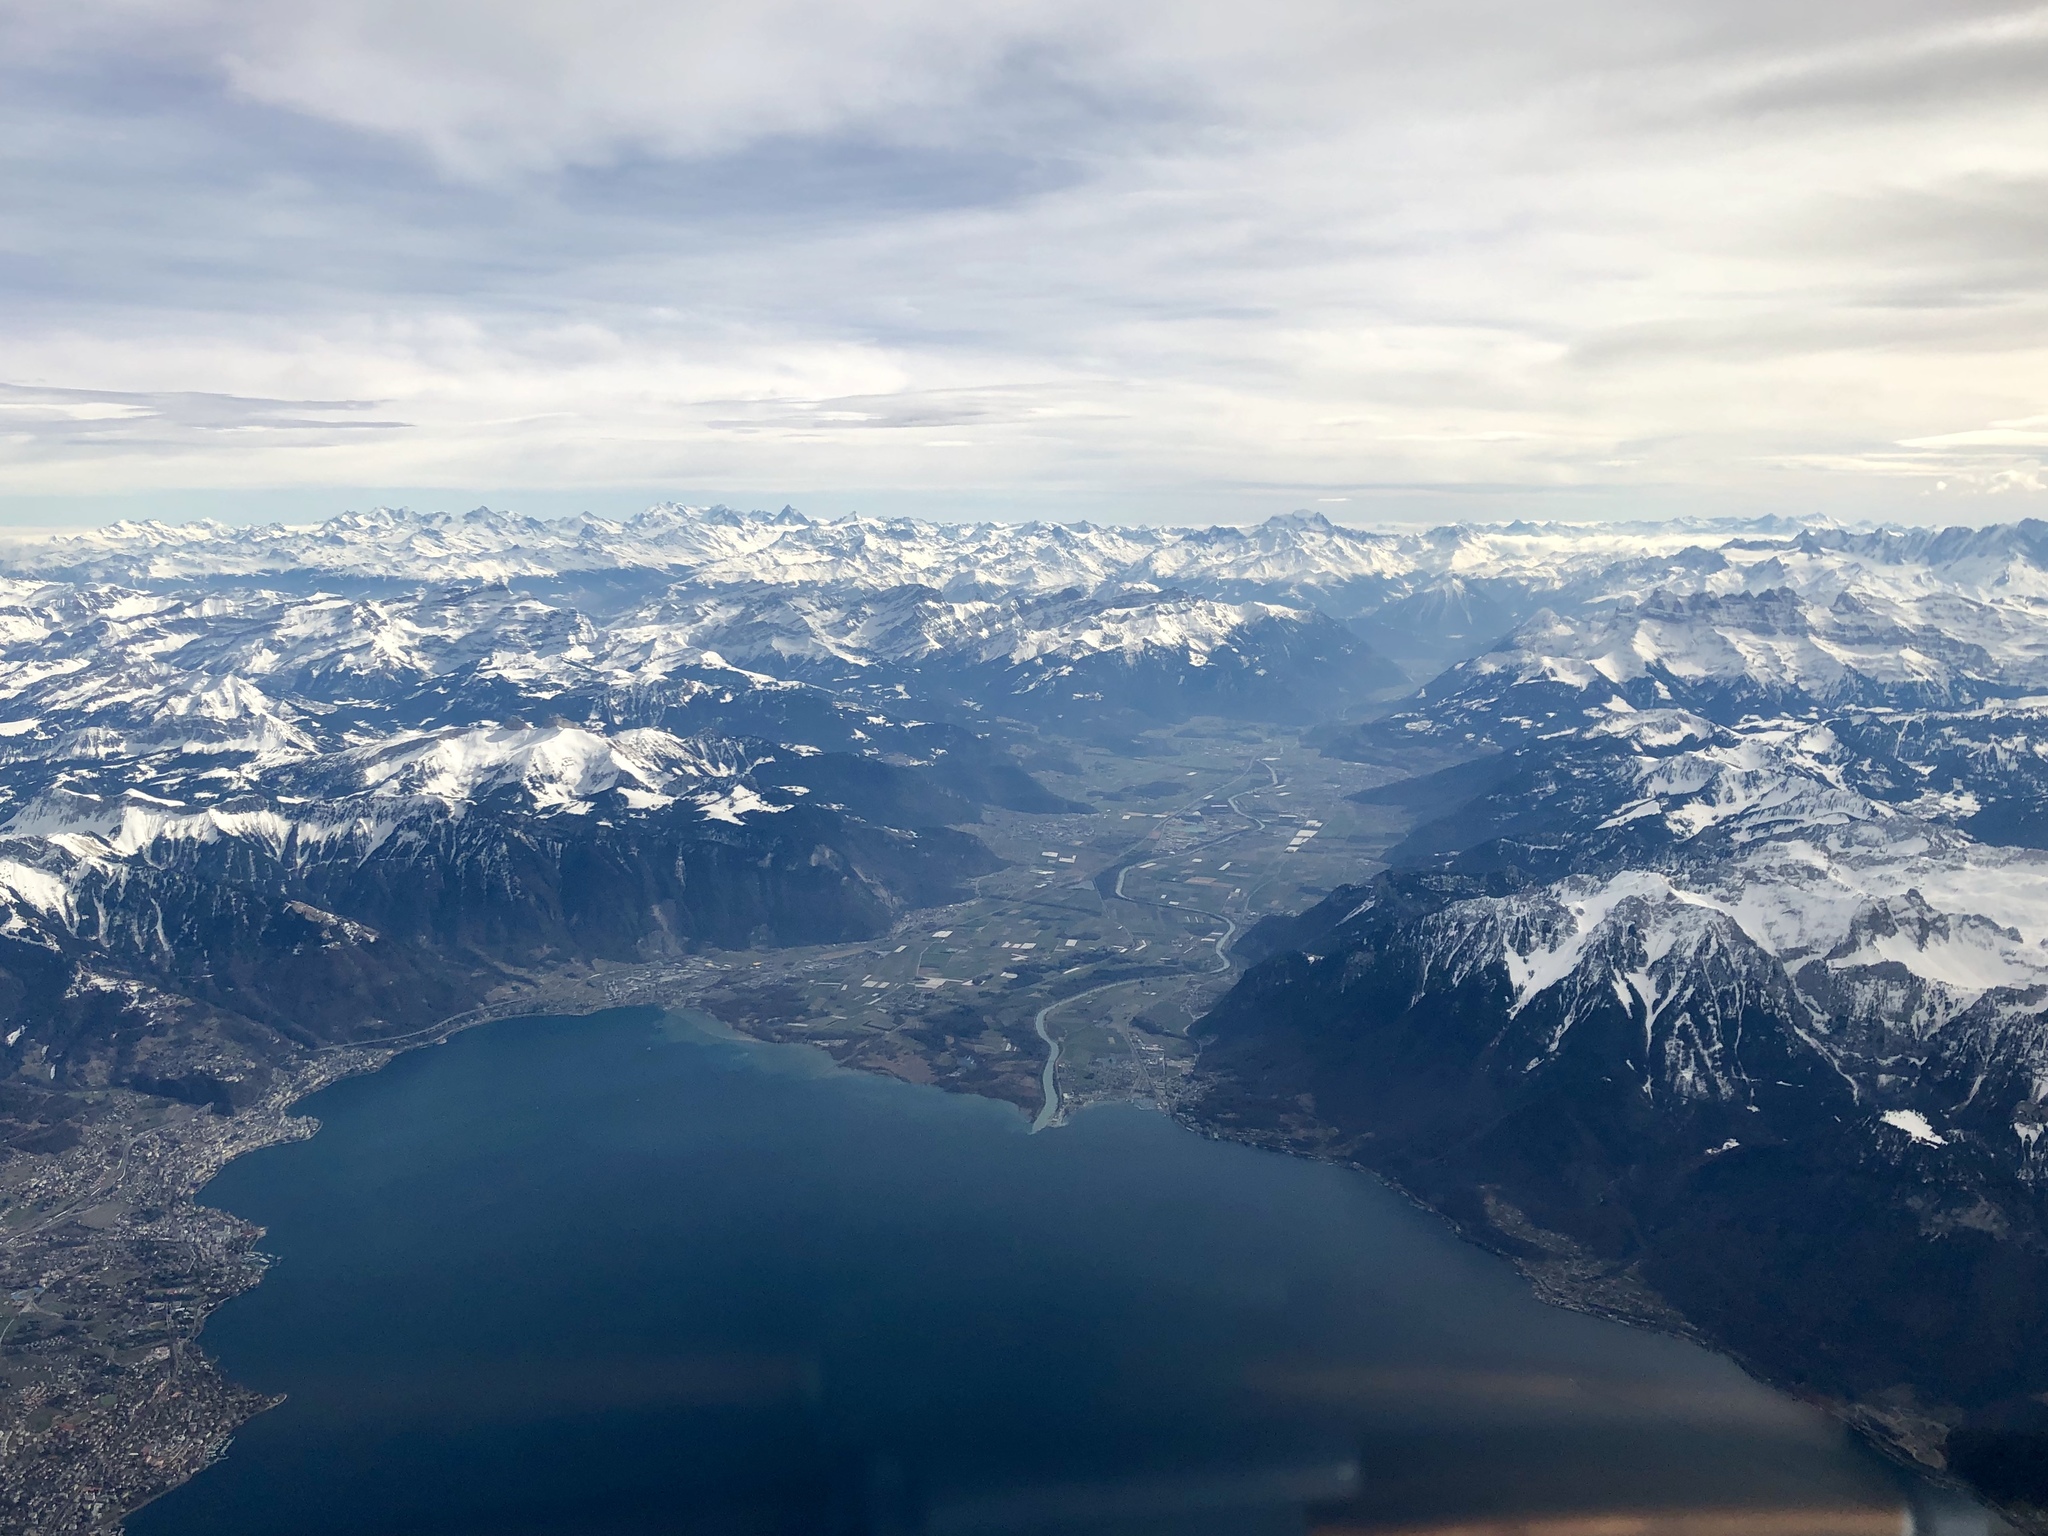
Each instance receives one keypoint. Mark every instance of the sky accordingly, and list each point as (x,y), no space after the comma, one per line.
(1195,262)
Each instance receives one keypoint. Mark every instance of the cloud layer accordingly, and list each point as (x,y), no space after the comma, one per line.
(1461,258)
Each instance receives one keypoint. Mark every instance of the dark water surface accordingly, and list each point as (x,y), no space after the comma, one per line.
(614,1275)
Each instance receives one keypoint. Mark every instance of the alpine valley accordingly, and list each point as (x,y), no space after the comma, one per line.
(1666,904)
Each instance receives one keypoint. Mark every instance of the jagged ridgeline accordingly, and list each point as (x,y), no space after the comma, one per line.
(1709,975)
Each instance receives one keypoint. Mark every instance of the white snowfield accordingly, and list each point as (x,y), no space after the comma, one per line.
(1845,907)
(558,768)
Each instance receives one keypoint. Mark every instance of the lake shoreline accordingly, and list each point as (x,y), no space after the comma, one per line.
(210,1407)
(322,1208)
(1575,1281)
(568,996)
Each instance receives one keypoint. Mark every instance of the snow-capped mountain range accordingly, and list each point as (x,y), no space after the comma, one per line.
(1727,879)
(719,547)
(165,683)
(1900,946)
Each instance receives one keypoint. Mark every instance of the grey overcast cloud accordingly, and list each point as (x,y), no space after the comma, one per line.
(950,257)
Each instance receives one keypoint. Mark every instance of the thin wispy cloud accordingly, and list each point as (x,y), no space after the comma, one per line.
(1145,258)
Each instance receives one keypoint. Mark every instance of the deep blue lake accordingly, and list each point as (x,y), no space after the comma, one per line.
(620,1274)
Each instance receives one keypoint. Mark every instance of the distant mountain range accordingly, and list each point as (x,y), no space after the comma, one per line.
(1711,979)
(717,546)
